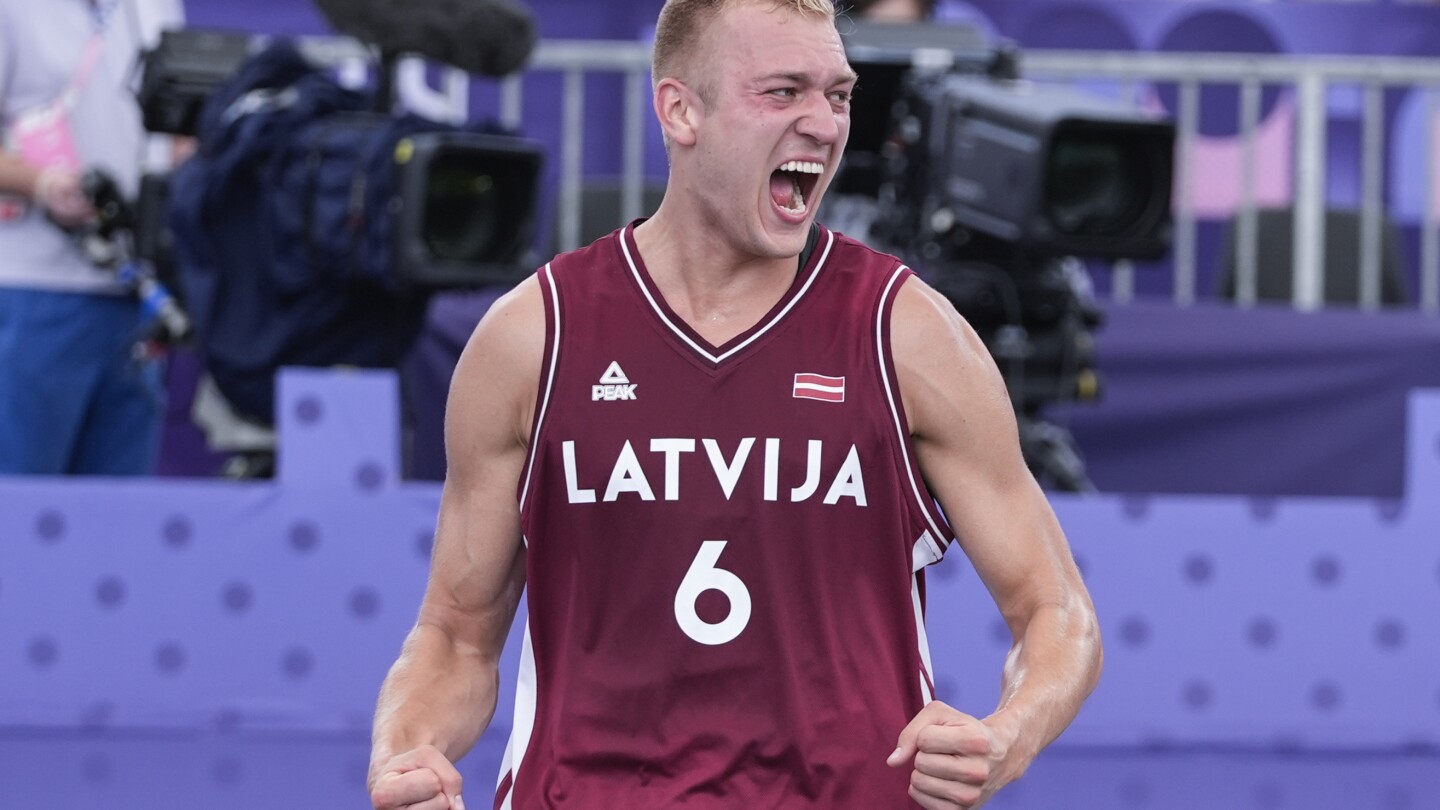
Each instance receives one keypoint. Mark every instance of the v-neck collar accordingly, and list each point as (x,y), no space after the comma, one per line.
(687,335)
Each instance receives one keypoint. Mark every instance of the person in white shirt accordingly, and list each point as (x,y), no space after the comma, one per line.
(74,398)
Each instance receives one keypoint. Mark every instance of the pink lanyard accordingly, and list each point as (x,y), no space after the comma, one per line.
(93,50)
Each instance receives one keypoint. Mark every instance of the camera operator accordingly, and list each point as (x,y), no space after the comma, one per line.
(74,398)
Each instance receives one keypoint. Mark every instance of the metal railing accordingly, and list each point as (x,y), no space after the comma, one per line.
(1310,78)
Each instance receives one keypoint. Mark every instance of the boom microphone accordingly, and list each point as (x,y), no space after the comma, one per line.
(488,37)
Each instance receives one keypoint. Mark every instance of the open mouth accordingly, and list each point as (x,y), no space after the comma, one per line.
(793,184)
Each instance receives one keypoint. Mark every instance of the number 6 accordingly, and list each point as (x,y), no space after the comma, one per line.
(704,576)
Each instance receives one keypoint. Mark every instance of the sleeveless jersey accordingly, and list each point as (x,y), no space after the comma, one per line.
(725,548)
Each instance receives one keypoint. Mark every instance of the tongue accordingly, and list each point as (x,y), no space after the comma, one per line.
(782,190)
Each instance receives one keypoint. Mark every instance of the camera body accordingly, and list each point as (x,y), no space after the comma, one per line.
(996,189)
(314,221)
(1050,171)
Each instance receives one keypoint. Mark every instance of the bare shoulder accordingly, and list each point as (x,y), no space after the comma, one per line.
(498,373)
(946,375)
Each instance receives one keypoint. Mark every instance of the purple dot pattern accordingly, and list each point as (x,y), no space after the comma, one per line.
(97,716)
(1135,507)
(238,597)
(228,721)
(1198,695)
(170,658)
(110,592)
(1263,509)
(50,527)
(1390,510)
(298,663)
(369,476)
(177,532)
(1325,696)
(304,537)
(1134,631)
(1326,570)
(364,603)
(43,652)
(1262,633)
(1199,569)
(309,411)
(1390,634)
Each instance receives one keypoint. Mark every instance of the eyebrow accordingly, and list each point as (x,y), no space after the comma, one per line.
(802,78)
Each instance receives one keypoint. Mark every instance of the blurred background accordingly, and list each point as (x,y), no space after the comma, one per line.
(1199,238)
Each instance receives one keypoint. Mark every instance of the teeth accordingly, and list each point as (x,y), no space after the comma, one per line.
(804,166)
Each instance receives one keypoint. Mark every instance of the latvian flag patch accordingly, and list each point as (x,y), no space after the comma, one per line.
(818,386)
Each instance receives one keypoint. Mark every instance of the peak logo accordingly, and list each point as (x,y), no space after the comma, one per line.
(614,385)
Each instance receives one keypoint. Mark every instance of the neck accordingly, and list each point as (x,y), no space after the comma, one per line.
(718,291)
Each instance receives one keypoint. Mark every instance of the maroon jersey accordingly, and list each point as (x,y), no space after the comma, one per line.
(725,547)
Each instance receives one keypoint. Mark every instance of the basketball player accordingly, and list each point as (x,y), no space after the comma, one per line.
(709,448)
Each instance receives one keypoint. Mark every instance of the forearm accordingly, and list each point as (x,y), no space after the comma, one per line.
(1054,665)
(439,692)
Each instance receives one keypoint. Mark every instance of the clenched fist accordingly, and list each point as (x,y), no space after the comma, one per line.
(955,758)
(422,779)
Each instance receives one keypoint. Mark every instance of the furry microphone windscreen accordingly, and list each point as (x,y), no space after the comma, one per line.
(488,37)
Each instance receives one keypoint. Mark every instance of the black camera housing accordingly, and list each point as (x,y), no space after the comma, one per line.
(1054,171)
(180,72)
(464,212)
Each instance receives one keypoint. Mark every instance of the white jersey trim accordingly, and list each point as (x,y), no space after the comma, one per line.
(702,351)
(927,674)
(524,725)
(927,547)
(549,384)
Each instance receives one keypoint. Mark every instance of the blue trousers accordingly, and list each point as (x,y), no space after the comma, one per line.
(73,399)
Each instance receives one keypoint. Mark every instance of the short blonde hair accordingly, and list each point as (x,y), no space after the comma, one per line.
(682,24)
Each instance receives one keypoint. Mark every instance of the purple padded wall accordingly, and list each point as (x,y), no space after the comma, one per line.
(223,612)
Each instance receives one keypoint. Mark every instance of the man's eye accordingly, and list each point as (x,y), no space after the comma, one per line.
(783,91)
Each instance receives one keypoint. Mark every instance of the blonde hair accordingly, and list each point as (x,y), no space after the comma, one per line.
(682,23)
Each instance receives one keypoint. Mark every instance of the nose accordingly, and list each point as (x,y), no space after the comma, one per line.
(820,120)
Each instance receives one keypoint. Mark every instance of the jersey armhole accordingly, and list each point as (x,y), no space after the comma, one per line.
(936,533)
(550,294)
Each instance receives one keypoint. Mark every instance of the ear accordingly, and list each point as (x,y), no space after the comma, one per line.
(679,110)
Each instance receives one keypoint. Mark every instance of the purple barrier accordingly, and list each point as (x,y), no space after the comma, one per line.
(197,607)
(1294,623)
(242,772)
(1266,401)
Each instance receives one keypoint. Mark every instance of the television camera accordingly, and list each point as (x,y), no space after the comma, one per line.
(996,190)
(315,220)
